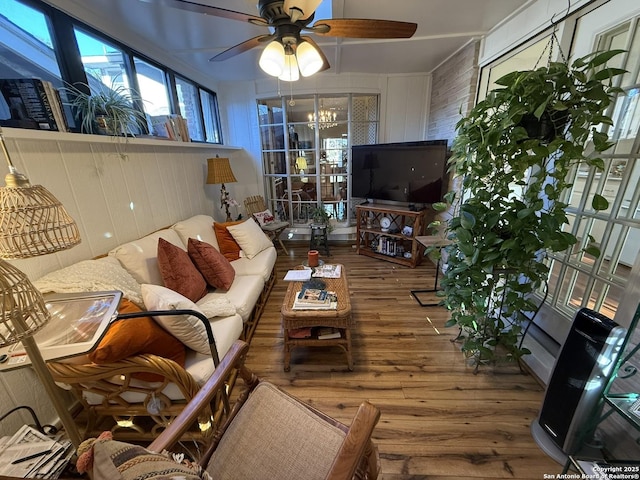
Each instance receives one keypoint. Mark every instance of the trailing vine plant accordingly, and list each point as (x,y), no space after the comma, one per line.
(513,152)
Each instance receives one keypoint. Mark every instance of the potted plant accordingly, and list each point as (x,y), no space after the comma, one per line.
(107,110)
(511,208)
(320,216)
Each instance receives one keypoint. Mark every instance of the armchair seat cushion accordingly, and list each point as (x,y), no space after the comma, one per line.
(299,442)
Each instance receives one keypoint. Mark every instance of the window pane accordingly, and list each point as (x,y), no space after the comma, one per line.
(102,62)
(153,88)
(211,117)
(189,104)
(26,47)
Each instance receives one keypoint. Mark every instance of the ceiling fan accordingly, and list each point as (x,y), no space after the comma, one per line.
(288,53)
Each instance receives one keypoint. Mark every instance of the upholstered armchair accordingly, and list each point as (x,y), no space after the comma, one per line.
(267,434)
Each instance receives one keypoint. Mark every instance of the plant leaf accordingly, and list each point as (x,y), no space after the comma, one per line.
(599,202)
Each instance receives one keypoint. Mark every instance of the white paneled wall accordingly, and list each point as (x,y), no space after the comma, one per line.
(113,200)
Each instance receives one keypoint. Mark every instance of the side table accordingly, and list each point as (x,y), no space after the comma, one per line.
(428,241)
(319,238)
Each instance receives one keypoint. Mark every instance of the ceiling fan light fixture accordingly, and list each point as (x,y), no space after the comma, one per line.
(290,72)
(300,9)
(309,60)
(273,59)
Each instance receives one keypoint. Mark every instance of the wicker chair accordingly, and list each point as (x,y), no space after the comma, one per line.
(270,434)
(255,204)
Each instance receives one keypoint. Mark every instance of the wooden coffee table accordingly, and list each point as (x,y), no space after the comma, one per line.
(340,318)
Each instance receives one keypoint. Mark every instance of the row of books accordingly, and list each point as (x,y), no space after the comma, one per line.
(31,103)
(173,127)
(321,333)
(315,299)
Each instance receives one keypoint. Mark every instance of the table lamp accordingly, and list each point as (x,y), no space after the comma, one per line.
(32,222)
(219,171)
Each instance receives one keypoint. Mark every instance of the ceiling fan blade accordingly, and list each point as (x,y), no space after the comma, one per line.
(325,62)
(364,28)
(305,8)
(241,48)
(209,10)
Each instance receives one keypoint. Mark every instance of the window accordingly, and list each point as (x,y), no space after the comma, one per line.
(580,280)
(306,151)
(189,107)
(28,49)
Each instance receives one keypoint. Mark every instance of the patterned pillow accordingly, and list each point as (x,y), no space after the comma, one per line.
(264,218)
(114,460)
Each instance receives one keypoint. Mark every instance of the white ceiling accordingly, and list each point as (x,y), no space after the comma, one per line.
(444,26)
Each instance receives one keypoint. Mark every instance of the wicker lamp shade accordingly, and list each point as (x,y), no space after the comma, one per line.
(33,222)
(219,171)
(23,308)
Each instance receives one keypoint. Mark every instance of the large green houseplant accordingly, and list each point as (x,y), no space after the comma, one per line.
(513,152)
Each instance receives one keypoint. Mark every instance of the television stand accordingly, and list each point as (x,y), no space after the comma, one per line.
(394,243)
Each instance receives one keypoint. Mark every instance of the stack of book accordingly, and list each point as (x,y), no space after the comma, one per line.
(173,127)
(31,103)
(315,299)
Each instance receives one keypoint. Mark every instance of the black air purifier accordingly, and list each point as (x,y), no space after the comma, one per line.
(577,382)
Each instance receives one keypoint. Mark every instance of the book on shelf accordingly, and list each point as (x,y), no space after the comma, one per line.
(327,271)
(327,333)
(31,103)
(330,303)
(173,127)
(304,332)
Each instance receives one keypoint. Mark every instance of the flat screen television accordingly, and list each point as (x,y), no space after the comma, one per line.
(407,172)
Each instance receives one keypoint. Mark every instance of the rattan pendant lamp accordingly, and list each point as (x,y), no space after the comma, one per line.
(32,223)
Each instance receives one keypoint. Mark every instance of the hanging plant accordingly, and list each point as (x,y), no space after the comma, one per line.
(511,211)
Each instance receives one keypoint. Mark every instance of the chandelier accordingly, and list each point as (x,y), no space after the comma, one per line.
(326,119)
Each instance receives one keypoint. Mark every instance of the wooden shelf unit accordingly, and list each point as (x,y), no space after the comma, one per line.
(392,245)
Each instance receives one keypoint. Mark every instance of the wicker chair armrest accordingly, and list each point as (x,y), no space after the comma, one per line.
(357,446)
(74,374)
(215,384)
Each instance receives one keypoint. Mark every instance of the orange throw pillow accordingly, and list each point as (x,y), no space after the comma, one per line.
(179,273)
(228,246)
(134,336)
(213,266)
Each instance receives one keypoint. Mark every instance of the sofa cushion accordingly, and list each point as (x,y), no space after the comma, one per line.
(214,267)
(139,256)
(134,336)
(199,227)
(262,264)
(189,329)
(250,237)
(243,294)
(178,271)
(99,275)
(228,246)
(299,442)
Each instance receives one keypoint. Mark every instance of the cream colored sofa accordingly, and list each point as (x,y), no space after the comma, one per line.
(111,390)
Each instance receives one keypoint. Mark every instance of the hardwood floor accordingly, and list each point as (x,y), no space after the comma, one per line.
(439,420)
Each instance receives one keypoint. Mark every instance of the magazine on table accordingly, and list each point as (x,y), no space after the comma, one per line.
(313,296)
(327,271)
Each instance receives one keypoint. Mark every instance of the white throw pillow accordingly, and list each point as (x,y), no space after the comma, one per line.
(189,329)
(264,218)
(250,237)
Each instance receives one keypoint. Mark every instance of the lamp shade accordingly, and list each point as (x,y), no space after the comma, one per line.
(301,163)
(309,60)
(290,72)
(219,171)
(23,308)
(33,222)
(272,59)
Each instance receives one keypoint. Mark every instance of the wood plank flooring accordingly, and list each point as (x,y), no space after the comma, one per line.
(439,420)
